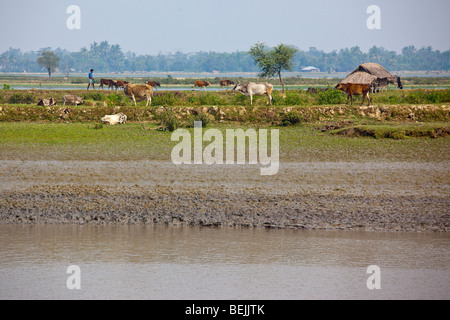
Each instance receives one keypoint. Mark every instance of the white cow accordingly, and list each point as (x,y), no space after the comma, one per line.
(133,91)
(118,118)
(257,89)
(73,99)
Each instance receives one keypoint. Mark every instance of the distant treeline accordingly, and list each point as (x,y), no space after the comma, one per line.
(104,57)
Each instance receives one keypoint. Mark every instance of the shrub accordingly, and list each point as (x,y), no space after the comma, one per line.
(169,121)
(290,118)
(331,96)
(166,99)
(240,99)
(115,99)
(96,96)
(203,118)
(20,98)
(294,98)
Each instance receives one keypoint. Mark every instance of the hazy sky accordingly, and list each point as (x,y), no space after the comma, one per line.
(150,27)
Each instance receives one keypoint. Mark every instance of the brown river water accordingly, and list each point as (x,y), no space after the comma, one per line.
(169,262)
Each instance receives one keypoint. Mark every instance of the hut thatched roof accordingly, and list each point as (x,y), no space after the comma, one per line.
(359,77)
(366,73)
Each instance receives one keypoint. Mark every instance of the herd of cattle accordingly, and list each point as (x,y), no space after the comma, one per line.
(145,91)
(116,84)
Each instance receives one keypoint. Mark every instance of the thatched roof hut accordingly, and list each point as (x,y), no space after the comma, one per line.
(370,73)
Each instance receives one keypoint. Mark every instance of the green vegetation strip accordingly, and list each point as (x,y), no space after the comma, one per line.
(302,142)
(296,97)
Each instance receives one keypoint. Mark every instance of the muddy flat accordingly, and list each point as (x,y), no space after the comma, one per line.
(390,196)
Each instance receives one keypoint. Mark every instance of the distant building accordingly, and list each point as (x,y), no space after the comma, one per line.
(310,69)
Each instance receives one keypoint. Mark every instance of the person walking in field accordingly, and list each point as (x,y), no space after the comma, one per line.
(91,80)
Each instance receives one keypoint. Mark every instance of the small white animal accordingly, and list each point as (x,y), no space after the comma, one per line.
(73,99)
(118,118)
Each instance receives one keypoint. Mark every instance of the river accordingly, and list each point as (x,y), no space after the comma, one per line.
(169,262)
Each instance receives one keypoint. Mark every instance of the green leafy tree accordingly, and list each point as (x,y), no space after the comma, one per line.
(272,62)
(48,60)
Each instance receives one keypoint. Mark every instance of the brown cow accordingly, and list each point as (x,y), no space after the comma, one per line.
(201,84)
(120,83)
(134,91)
(226,83)
(352,89)
(154,84)
(110,83)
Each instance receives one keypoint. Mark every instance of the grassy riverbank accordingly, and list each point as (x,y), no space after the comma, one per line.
(329,141)
(80,173)
(382,167)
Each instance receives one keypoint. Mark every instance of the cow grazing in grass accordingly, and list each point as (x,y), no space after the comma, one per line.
(133,91)
(255,89)
(226,83)
(154,84)
(353,89)
(110,83)
(47,102)
(118,118)
(201,84)
(73,99)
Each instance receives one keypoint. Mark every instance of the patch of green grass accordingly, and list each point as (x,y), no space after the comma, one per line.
(78,141)
(396,131)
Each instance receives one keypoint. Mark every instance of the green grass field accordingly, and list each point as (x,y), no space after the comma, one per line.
(304,142)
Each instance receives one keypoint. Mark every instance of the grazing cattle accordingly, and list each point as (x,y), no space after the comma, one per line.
(382,84)
(154,84)
(73,99)
(47,102)
(201,84)
(110,83)
(226,83)
(120,83)
(118,118)
(352,89)
(255,89)
(134,91)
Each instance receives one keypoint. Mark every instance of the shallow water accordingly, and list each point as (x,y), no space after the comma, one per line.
(159,262)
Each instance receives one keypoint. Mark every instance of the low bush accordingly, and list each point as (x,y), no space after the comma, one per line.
(290,118)
(96,96)
(169,121)
(331,96)
(115,99)
(21,98)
